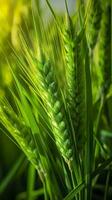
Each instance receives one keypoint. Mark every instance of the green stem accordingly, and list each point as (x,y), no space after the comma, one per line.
(30,181)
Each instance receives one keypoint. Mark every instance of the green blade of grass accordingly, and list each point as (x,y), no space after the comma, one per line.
(89,145)
(107,185)
(12,173)
(100,169)
(35,194)
(75,191)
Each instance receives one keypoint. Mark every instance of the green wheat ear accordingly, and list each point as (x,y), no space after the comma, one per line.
(75,78)
(20,132)
(104,47)
(55,108)
(94,21)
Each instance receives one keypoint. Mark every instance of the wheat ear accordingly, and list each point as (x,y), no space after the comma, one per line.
(94,21)
(105,47)
(21,134)
(75,73)
(55,108)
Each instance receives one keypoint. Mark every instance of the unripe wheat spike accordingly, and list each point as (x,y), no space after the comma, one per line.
(55,108)
(105,47)
(94,21)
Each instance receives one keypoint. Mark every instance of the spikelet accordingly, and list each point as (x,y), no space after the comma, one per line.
(94,21)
